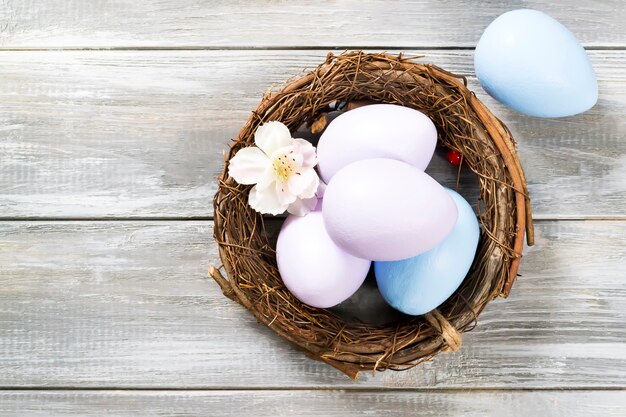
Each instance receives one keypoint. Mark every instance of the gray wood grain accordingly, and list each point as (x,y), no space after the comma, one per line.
(312,403)
(167,23)
(127,304)
(141,133)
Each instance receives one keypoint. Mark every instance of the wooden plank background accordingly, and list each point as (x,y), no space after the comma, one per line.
(113,119)
(128,304)
(141,133)
(312,403)
(286,25)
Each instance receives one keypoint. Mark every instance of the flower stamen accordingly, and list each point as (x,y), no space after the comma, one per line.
(283,168)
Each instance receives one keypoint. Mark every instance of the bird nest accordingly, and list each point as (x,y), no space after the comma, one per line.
(464,124)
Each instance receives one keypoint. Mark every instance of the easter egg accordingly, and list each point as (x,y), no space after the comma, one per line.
(385,210)
(419,284)
(317,271)
(530,62)
(376,131)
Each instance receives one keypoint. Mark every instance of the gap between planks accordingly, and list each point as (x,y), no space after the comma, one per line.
(270,48)
(355,389)
(210,219)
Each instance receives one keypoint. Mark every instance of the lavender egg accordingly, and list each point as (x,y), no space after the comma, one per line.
(386,210)
(376,131)
(317,271)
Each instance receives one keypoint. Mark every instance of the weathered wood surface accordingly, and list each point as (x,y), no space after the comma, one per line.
(312,403)
(141,134)
(128,304)
(333,24)
(132,134)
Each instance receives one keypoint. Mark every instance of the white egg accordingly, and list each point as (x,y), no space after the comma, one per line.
(317,271)
(376,131)
(386,210)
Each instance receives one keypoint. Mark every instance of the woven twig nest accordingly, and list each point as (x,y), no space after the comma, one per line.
(464,124)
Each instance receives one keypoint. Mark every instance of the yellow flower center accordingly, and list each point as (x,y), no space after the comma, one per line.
(284,167)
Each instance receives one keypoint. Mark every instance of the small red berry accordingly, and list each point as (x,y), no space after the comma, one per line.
(453,157)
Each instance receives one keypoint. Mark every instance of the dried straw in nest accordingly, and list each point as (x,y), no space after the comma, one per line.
(464,124)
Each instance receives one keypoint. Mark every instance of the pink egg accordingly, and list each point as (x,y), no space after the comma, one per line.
(387,210)
(376,131)
(317,271)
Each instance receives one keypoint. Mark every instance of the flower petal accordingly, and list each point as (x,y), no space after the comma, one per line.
(268,177)
(265,200)
(311,191)
(290,154)
(321,188)
(307,150)
(302,206)
(271,136)
(304,184)
(249,165)
(285,196)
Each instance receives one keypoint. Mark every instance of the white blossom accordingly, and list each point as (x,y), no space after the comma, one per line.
(282,170)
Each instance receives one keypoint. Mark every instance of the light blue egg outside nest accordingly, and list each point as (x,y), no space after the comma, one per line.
(420,284)
(532,63)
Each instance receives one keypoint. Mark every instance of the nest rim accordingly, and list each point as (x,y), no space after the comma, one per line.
(464,124)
